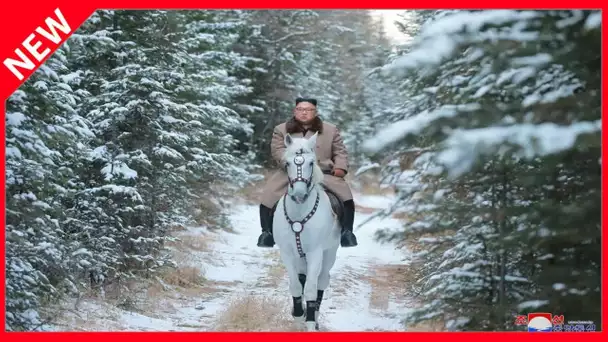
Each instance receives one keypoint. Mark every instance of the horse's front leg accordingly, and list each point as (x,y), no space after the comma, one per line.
(295,286)
(329,259)
(314,265)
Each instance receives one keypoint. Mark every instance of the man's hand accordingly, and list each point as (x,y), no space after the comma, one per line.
(339,173)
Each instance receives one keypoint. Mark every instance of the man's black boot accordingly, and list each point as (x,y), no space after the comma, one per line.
(266,239)
(348,238)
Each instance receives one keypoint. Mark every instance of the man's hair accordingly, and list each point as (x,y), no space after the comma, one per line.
(304,99)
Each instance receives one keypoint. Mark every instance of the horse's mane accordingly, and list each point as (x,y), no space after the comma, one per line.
(300,144)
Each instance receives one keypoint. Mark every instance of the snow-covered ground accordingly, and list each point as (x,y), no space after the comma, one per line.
(373,201)
(242,275)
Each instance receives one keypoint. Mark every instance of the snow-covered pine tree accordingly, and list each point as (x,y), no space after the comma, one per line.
(315,77)
(128,176)
(322,54)
(109,143)
(274,41)
(354,43)
(159,109)
(377,93)
(514,121)
(249,104)
(44,135)
(215,86)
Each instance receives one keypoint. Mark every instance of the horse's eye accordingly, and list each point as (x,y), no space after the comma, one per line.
(311,163)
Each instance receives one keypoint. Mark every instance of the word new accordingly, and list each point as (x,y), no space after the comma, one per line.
(36,48)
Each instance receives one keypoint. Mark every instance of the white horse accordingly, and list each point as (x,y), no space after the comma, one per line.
(306,230)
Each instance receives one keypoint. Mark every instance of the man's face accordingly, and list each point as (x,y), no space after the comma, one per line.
(305,112)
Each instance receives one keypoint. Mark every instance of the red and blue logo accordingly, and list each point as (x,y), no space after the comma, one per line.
(540,322)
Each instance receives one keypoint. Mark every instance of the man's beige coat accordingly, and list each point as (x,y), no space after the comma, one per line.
(331,154)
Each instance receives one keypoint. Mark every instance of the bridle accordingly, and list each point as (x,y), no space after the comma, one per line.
(298,226)
(299,161)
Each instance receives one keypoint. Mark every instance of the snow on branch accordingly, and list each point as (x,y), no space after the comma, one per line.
(463,146)
(439,39)
(413,125)
(594,21)
(292,35)
(366,168)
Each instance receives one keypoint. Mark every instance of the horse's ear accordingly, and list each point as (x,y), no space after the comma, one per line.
(288,140)
(312,141)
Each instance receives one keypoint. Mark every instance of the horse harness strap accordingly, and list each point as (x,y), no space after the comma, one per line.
(299,161)
(298,226)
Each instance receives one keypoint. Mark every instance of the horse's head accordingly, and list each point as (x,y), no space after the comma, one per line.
(301,166)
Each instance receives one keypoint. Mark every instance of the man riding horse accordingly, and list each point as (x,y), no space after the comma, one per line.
(332,158)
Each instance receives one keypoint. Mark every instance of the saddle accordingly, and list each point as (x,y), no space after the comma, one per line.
(336,204)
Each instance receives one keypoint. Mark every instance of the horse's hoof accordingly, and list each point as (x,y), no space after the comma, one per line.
(317,327)
(311,326)
(266,240)
(348,239)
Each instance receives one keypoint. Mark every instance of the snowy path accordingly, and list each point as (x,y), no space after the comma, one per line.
(246,279)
